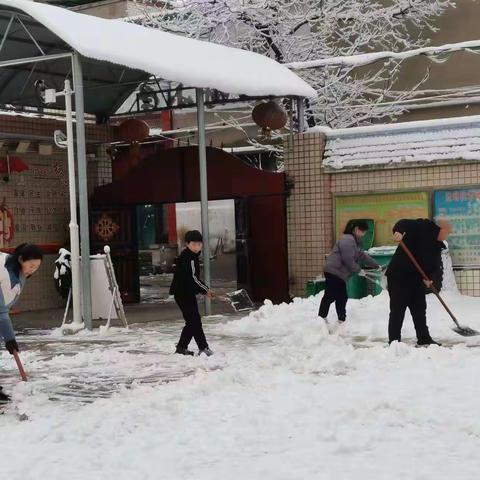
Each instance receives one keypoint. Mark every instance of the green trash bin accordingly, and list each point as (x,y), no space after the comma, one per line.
(319,285)
(314,286)
(383,256)
(368,239)
(310,288)
(357,287)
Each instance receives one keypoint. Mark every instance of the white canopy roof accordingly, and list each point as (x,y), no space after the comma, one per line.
(171,57)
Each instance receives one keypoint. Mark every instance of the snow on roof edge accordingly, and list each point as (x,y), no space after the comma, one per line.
(403,127)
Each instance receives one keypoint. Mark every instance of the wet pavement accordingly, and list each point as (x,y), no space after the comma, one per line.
(92,365)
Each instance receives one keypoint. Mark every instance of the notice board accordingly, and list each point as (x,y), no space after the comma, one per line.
(461,207)
(386,209)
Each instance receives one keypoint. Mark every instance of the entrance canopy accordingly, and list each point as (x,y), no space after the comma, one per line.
(117,56)
(107,60)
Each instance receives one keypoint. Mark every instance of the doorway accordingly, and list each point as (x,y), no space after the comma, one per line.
(160,232)
(168,179)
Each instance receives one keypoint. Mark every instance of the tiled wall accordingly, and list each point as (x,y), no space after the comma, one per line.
(311,210)
(38,200)
(38,197)
(468,282)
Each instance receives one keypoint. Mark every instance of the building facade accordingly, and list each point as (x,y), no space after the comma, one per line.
(34,202)
(414,170)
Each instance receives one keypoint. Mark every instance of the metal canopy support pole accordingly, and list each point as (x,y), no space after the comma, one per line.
(82,191)
(74,240)
(202,157)
(39,58)
(290,117)
(301,115)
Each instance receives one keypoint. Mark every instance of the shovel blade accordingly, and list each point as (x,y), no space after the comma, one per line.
(465,331)
(241,301)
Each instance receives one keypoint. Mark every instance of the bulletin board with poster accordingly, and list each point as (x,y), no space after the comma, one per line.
(386,209)
(461,207)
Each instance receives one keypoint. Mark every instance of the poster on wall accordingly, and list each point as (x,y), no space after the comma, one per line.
(461,207)
(386,209)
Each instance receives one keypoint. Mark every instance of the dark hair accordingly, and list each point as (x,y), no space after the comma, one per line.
(27,251)
(193,236)
(352,224)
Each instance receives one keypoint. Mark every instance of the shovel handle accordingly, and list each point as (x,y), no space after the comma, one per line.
(414,261)
(425,277)
(20,366)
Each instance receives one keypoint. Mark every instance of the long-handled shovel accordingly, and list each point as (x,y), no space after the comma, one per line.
(20,366)
(464,331)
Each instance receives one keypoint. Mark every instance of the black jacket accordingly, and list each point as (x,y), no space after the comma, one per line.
(186,281)
(421,239)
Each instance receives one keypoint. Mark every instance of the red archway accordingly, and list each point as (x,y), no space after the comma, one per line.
(172,176)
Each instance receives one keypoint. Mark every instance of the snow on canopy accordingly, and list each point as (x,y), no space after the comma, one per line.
(422,141)
(171,57)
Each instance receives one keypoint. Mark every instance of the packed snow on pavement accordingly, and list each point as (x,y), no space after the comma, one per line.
(281,399)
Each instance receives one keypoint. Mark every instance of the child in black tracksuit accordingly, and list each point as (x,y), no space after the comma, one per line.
(185,286)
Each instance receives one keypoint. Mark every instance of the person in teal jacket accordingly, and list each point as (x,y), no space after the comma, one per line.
(15,269)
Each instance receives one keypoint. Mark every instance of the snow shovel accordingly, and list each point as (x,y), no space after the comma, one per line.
(240,300)
(377,278)
(20,366)
(464,331)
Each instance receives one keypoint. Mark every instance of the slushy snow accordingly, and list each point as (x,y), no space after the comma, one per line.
(281,399)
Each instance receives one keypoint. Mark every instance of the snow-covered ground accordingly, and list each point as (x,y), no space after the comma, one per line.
(281,399)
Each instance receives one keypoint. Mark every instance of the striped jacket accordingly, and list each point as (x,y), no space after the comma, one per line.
(186,278)
(11,284)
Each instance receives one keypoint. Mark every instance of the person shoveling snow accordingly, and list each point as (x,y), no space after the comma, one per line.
(406,286)
(342,263)
(14,271)
(185,286)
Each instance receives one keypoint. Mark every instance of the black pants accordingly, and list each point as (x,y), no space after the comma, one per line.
(193,323)
(335,291)
(407,293)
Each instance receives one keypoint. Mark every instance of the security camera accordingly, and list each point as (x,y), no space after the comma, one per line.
(60,139)
(45,95)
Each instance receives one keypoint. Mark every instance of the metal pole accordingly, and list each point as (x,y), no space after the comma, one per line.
(290,117)
(74,240)
(202,157)
(82,191)
(39,58)
(301,115)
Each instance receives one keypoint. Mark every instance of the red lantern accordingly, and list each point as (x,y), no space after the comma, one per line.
(133,130)
(269,116)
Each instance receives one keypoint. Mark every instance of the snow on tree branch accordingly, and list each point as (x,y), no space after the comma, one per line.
(300,32)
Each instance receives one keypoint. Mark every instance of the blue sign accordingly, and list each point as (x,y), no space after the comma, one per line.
(461,208)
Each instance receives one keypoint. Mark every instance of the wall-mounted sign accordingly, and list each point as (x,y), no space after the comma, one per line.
(6,225)
(386,209)
(461,207)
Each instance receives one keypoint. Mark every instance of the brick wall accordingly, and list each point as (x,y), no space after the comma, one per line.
(310,208)
(38,197)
